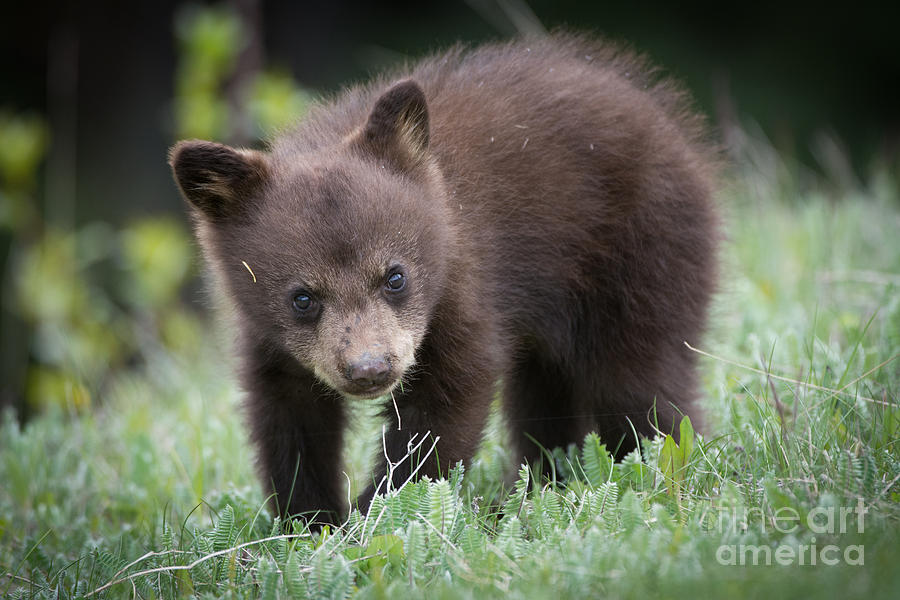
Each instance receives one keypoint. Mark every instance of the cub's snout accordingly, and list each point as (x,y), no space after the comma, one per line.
(369,374)
(364,354)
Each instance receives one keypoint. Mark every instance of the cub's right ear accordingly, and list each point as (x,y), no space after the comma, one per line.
(217,179)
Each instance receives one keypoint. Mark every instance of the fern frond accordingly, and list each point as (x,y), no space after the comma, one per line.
(224,533)
(595,460)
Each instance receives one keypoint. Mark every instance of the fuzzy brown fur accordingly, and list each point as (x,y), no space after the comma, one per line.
(547,203)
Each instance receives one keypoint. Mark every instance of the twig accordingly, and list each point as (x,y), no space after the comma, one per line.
(803,383)
(410,448)
(202,559)
(778,405)
(243,262)
(870,371)
(396,410)
(887,487)
(145,557)
(438,531)
(873,277)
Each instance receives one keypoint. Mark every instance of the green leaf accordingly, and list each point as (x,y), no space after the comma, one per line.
(383,550)
(669,457)
(687,439)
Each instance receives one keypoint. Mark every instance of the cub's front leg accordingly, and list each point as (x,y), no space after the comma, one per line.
(447,400)
(297,427)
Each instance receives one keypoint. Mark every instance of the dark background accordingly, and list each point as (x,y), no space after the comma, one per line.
(102,72)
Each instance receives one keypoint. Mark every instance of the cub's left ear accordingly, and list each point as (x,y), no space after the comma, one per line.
(216,179)
(397,128)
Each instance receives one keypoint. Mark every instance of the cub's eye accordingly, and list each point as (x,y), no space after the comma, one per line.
(396,282)
(305,306)
(302,302)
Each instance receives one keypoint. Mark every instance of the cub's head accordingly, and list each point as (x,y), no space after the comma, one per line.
(334,256)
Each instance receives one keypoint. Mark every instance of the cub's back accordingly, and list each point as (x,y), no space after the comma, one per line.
(573,166)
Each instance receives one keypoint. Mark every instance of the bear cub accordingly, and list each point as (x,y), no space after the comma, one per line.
(533,217)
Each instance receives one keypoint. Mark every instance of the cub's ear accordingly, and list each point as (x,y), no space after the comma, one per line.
(397,128)
(217,179)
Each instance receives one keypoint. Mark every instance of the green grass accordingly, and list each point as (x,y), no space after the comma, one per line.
(157,475)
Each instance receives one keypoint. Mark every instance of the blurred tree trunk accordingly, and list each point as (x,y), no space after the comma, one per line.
(249,63)
(62,113)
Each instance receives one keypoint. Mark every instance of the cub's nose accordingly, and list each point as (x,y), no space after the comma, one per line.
(368,371)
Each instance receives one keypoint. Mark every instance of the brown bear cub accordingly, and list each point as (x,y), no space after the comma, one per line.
(536,215)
